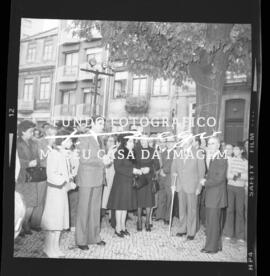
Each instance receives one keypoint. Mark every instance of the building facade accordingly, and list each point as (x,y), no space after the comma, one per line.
(52,87)
(235,109)
(75,89)
(157,106)
(38,55)
(149,105)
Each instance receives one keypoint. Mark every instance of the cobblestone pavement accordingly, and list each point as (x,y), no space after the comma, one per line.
(154,245)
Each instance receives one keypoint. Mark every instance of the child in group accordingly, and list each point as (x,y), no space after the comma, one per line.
(237,178)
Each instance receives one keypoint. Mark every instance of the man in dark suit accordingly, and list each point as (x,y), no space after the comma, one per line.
(90,180)
(215,196)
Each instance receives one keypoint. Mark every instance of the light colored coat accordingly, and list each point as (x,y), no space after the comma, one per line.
(109,178)
(189,171)
(91,167)
(56,211)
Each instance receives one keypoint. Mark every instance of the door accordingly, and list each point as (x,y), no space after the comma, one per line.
(234,121)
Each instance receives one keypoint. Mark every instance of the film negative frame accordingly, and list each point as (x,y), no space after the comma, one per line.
(247,12)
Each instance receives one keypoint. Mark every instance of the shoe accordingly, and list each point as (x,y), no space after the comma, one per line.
(139,225)
(102,243)
(83,247)
(227,238)
(147,227)
(208,251)
(28,232)
(180,234)
(22,234)
(125,232)
(37,229)
(190,238)
(120,235)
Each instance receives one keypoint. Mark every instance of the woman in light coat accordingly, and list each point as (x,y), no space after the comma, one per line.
(56,212)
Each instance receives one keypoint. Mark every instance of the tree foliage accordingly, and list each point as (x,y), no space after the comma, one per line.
(166,49)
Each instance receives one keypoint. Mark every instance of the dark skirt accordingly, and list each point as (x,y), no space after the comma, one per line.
(145,196)
(29,192)
(122,195)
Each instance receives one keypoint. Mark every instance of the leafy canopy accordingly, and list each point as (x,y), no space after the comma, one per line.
(166,49)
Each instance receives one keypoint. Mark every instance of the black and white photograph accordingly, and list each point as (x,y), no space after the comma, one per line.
(89,82)
(133,141)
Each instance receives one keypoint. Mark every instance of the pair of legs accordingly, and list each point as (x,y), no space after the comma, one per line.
(164,204)
(213,229)
(147,222)
(52,248)
(235,215)
(38,210)
(120,220)
(154,207)
(26,222)
(88,216)
(187,213)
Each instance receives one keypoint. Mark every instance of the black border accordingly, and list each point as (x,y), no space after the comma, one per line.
(211,11)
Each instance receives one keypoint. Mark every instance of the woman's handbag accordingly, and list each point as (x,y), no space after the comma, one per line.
(36,174)
(139,181)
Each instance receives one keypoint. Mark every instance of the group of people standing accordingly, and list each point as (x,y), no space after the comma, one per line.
(118,174)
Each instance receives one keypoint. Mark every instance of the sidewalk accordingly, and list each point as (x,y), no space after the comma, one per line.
(154,245)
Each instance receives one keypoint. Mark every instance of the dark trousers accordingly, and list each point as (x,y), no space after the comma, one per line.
(113,219)
(213,229)
(164,203)
(88,216)
(246,212)
(235,213)
(201,210)
(73,203)
(175,212)
(41,199)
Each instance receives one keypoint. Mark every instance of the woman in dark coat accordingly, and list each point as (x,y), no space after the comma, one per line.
(148,162)
(123,196)
(28,156)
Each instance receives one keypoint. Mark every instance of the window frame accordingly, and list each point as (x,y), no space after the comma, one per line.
(50,57)
(28,85)
(49,89)
(73,68)
(31,46)
(140,78)
(159,94)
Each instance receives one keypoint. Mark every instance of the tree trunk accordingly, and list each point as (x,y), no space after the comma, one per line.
(209,75)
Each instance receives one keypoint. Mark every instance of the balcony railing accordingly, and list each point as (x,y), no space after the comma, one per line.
(68,38)
(67,73)
(68,109)
(86,110)
(25,105)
